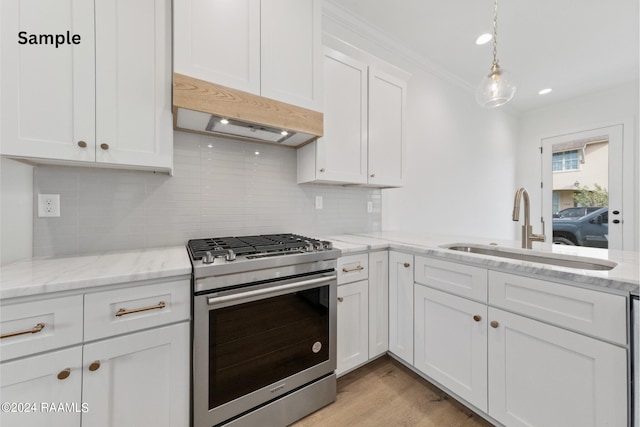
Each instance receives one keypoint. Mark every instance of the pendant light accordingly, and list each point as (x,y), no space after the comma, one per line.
(496,88)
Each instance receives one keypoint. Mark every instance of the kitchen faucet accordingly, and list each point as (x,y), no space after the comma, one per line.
(527,231)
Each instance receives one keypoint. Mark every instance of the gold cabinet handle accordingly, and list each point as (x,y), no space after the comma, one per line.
(358,268)
(82,144)
(37,328)
(104,146)
(407,265)
(322,169)
(373,175)
(94,366)
(64,374)
(124,311)
(494,324)
(340,299)
(477,318)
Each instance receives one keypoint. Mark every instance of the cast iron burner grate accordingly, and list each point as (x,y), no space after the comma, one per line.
(245,245)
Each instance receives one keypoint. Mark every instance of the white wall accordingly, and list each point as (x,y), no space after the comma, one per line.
(613,106)
(16,210)
(460,157)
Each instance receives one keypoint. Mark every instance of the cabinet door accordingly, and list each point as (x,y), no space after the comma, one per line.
(386,129)
(40,382)
(291,52)
(378,303)
(401,305)
(218,41)
(48,97)
(353,330)
(133,83)
(342,151)
(451,343)
(140,379)
(541,375)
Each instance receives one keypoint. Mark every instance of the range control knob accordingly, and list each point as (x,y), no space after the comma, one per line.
(207,258)
(230,256)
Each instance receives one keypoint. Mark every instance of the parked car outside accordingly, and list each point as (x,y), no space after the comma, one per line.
(576,212)
(591,229)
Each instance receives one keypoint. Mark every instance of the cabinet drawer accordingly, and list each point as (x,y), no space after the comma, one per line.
(37,326)
(353,268)
(459,279)
(598,314)
(125,310)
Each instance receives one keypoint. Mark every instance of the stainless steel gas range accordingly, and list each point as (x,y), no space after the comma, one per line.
(264,329)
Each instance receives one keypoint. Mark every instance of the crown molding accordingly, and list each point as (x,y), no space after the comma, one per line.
(344,18)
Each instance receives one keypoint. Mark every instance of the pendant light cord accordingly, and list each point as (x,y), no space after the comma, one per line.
(495,32)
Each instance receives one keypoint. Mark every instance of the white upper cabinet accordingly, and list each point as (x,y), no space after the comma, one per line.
(48,93)
(341,154)
(291,52)
(106,99)
(133,83)
(218,41)
(364,114)
(270,48)
(386,129)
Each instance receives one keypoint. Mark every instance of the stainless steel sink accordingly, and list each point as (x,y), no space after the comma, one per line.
(571,261)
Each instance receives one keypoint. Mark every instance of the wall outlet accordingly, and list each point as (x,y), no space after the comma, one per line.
(48,205)
(318,202)
(369,207)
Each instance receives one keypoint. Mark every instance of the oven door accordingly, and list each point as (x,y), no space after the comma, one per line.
(258,343)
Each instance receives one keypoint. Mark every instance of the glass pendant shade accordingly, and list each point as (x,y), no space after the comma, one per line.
(495,89)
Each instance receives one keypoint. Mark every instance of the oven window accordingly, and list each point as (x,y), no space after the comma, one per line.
(255,344)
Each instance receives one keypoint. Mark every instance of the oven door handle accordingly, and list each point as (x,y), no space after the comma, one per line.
(268,292)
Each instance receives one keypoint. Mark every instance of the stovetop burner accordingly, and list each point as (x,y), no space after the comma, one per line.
(250,245)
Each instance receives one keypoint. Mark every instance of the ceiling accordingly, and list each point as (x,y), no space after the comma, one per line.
(574,47)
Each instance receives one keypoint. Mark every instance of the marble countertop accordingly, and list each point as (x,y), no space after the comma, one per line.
(47,275)
(622,279)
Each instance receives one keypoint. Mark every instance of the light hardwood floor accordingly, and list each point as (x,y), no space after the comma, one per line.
(384,393)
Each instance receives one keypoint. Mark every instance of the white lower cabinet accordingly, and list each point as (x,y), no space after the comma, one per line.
(353,325)
(378,303)
(128,365)
(138,379)
(513,358)
(33,385)
(401,305)
(451,343)
(542,375)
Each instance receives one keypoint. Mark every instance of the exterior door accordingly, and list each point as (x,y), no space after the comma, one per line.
(618,235)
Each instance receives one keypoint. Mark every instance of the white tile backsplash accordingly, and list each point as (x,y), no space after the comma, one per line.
(219,187)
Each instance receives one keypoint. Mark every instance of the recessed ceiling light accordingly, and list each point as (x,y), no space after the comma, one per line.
(483,39)
(224,121)
(545,91)
(284,133)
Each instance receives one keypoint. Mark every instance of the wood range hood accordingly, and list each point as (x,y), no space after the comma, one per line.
(216,110)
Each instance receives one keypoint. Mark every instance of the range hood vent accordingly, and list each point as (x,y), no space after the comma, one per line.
(212,109)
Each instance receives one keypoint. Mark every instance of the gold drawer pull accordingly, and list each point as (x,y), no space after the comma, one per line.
(124,311)
(494,324)
(104,146)
(358,268)
(37,328)
(407,265)
(94,366)
(477,318)
(340,299)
